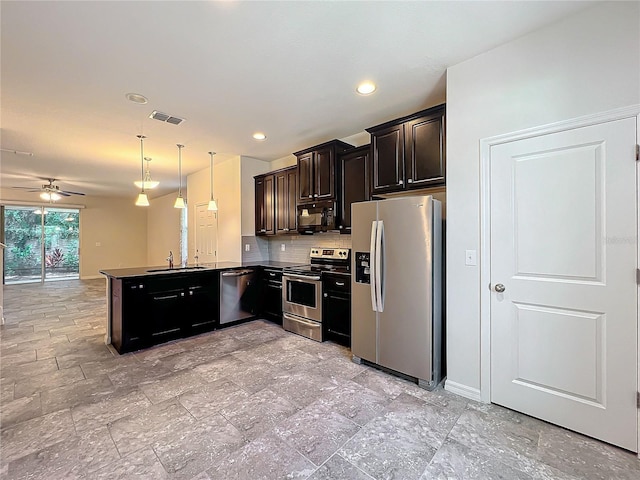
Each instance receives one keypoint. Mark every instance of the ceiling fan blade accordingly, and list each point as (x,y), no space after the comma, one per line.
(30,189)
(70,193)
(64,194)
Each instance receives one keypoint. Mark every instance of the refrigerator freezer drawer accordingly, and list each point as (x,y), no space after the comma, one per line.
(302,326)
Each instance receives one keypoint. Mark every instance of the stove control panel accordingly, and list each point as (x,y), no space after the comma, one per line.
(330,253)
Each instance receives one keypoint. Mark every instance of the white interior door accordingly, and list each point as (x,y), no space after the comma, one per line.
(206,237)
(564,246)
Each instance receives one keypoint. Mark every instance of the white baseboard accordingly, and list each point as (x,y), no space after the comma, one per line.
(463,390)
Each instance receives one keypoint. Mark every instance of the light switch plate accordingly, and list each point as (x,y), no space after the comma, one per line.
(247,247)
(282,247)
(470,258)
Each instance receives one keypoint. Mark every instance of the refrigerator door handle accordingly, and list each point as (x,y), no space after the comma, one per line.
(372,267)
(379,262)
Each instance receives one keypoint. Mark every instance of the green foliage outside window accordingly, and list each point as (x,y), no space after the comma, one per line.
(23,236)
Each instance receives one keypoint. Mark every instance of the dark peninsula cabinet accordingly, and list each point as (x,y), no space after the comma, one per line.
(409,153)
(317,179)
(147,311)
(353,166)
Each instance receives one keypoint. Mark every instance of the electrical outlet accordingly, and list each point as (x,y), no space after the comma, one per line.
(98,244)
(247,247)
(470,258)
(282,247)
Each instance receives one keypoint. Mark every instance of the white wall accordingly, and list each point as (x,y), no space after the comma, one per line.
(585,64)
(163,230)
(227,190)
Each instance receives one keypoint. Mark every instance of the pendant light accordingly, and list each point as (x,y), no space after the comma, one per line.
(146,181)
(213,206)
(180,203)
(142,200)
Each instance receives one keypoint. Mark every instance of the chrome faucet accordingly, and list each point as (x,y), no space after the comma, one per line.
(170,259)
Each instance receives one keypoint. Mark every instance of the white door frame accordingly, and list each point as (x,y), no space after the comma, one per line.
(485,221)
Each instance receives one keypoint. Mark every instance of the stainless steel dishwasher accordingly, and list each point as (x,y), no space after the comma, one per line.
(237,297)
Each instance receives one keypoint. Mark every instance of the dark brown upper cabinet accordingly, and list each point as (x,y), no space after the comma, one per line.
(275,201)
(286,184)
(353,166)
(409,152)
(317,176)
(265,212)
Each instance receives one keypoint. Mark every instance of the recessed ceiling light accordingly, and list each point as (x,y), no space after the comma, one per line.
(259,136)
(366,88)
(136,98)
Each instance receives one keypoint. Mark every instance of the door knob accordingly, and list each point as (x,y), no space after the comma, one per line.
(499,288)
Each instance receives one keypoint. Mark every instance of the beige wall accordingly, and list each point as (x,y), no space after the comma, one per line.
(163,230)
(115,223)
(228,190)
(585,64)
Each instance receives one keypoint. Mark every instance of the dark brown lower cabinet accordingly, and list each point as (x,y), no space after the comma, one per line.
(336,308)
(271,295)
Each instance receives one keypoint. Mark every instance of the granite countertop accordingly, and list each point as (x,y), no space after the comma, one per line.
(190,268)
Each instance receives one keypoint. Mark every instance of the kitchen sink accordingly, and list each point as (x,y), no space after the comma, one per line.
(171,269)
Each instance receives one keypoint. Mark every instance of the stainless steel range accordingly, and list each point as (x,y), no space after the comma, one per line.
(302,290)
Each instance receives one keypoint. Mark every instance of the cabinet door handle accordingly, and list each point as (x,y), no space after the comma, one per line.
(409,180)
(165,297)
(340,227)
(315,194)
(400,182)
(285,229)
(340,284)
(263,230)
(326,295)
(310,196)
(272,274)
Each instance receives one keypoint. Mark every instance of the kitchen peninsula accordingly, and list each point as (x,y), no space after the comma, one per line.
(151,305)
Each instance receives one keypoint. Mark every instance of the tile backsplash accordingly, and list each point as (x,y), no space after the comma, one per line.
(296,247)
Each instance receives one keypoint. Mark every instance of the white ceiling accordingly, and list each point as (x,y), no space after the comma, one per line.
(230,68)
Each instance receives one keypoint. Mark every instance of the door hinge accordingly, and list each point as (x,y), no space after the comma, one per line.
(638,400)
(637,152)
(638,276)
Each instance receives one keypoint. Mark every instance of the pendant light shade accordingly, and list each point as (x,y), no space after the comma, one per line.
(180,203)
(213,206)
(146,180)
(142,200)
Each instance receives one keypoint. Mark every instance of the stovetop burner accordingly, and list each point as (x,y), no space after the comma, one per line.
(335,260)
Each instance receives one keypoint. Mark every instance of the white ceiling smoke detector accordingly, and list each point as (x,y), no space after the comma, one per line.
(136,98)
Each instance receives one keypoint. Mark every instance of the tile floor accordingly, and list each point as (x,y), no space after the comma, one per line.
(247,402)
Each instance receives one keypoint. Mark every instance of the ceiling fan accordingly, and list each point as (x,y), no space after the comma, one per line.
(49,191)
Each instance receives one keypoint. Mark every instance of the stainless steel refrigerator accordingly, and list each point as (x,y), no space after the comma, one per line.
(396,306)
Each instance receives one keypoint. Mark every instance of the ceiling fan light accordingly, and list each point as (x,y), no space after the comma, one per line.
(142,200)
(179,203)
(213,206)
(46,196)
(54,196)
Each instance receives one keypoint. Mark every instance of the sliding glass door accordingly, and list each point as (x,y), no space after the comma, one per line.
(42,244)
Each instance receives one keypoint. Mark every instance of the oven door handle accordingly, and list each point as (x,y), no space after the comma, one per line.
(304,277)
(300,320)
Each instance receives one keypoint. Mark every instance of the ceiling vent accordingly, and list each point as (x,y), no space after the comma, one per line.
(163,117)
